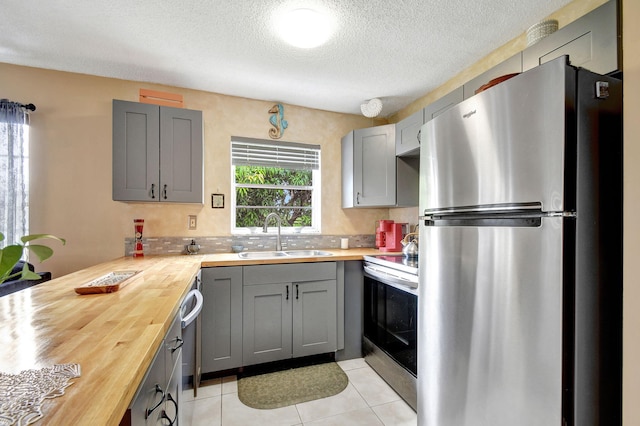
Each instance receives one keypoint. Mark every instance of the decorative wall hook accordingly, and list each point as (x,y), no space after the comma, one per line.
(277,121)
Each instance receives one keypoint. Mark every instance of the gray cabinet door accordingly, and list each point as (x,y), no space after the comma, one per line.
(221,318)
(436,108)
(374,166)
(150,393)
(157,153)
(314,318)
(158,398)
(136,151)
(266,323)
(346,157)
(408,133)
(181,160)
(591,42)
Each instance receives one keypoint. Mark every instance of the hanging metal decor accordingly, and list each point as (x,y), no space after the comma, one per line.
(277,121)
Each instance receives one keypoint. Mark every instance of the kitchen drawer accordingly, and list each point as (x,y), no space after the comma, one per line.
(173,346)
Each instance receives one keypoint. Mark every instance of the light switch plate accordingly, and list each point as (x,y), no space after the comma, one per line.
(193,221)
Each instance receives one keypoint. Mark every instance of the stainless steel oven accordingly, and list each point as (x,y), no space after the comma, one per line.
(390,321)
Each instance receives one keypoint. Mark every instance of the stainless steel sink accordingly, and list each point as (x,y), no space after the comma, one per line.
(261,254)
(307,253)
(279,254)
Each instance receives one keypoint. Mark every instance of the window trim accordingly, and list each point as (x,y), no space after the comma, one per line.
(314,164)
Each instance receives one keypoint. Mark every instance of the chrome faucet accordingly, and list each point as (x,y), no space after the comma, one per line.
(264,228)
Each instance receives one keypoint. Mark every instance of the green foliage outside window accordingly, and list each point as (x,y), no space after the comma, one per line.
(263,190)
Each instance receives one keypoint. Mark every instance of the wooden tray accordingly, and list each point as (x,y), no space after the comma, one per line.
(109,283)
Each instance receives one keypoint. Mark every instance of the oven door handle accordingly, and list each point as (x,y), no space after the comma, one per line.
(389,278)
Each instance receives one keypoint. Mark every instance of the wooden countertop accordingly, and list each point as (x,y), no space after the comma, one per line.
(112,336)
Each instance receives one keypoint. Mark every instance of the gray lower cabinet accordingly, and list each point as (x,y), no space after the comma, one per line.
(267,323)
(221,318)
(157,153)
(591,42)
(314,318)
(289,310)
(157,401)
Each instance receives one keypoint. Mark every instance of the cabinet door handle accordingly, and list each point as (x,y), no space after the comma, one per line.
(287,293)
(164,413)
(357,198)
(153,190)
(297,292)
(179,343)
(419,136)
(150,410)
(164,191)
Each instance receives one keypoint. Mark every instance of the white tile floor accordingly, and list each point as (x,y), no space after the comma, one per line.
(367,400)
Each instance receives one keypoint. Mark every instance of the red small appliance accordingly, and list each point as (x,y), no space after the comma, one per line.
(389,235)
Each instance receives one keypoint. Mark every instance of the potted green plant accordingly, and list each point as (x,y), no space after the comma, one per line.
(11,254)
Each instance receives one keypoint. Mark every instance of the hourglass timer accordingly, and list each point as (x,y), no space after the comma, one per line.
(137,249)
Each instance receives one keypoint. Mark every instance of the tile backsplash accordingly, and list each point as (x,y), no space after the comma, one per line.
(176,245)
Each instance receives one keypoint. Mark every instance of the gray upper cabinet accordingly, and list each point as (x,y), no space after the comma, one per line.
(510,66)
(436,108)
(157,153)
(369,167)
(591,42)
(221,318)
(408,133)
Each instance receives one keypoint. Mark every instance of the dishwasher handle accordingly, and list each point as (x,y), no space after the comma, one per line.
(191,316)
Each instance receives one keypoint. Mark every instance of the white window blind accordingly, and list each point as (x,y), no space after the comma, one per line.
(289,155)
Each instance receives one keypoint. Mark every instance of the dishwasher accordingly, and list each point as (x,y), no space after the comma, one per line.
(191,323)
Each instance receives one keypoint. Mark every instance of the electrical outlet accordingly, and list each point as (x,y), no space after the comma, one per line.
(193,221)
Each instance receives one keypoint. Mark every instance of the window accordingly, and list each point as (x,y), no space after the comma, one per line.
(275,177)
(14,171)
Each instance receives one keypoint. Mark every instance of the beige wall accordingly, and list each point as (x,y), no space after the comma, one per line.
(71,163)
(631,311)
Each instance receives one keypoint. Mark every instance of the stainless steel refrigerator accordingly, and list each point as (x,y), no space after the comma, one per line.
(520,292)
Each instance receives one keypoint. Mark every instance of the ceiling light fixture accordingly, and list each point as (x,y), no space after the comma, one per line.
(371,108)
(305,28)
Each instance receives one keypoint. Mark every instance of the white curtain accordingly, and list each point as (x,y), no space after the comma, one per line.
(14,171)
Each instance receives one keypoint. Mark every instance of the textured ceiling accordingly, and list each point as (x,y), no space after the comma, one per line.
(396,50)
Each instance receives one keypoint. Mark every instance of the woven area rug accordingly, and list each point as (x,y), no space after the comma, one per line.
(289,387)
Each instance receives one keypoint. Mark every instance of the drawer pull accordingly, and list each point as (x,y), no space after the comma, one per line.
(179,343)
(164,413)
(151,410)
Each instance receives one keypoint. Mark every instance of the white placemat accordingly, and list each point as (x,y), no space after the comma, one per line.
(22,394)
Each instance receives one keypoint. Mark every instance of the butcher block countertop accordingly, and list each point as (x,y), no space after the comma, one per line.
(113,336)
